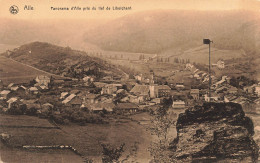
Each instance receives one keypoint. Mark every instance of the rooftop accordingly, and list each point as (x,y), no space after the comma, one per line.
(126,106)
(5,92)
(140,89)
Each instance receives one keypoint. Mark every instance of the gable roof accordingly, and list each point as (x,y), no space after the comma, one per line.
(5,92)
(91,96)
(99,84)
(194,91)
(233,89)
(164,87)
(13,99)
(75,91)
(43,77)
(10,85)
(23,87)
(140,89)
(76,101)
(63,94)
(178,103)
(68,99)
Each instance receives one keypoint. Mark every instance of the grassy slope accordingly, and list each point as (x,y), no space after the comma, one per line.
(86,139)
(12,71)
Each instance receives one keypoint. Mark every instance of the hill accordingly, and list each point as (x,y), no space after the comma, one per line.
(162,30)
(59,60)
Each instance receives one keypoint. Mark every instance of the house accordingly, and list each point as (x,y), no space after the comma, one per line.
(42,87)
(189,66)
(11,101)
(126,107)
(76,92)
(129,84)
(90,98)
(120,92)
(195,93)
(107,78)
(5,94)
(230,98)
(257,90)
(111,88)
(47,106)
(42,80)
(99,84)
(99,107)
(179,86)
(232,90)
(10,85)
(159,91)
(164,91)
(68,99)
(195,70)
(117,77)
(157,100)
(221,64)
(219,83)
(105,98)
(76,101)
(141,90)
(33,90)
(249,89)
(221,89)
(139,77)
(63,95)
(213,97)
(21,91)
(14,88)
(88,79)
(204,75)
(206,78)
(178,104)
(134,99)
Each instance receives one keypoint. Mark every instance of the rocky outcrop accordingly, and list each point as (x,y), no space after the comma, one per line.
(214,132)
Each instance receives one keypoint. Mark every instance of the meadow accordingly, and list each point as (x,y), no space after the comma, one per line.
(15,72)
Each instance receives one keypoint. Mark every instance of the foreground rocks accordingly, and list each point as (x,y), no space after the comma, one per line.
(214,132)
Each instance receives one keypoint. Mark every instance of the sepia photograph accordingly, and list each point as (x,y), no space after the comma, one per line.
(129,81)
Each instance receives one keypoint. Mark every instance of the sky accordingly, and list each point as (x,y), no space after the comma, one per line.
(42,8)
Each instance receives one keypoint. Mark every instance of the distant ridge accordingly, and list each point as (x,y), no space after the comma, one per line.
(158,31)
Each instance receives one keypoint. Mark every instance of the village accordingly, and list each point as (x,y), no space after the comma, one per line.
(88,99)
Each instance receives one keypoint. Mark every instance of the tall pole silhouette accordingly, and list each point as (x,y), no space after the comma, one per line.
(208,41)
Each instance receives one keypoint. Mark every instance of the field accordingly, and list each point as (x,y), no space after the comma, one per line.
(201,54)
(86,139)
(12,71)
(26,156)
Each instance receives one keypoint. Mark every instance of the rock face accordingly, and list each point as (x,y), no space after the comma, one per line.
(214,132)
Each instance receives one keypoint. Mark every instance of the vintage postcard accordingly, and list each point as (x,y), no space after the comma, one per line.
(129,81)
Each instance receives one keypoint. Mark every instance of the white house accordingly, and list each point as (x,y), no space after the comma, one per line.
(221,64)
(178,104)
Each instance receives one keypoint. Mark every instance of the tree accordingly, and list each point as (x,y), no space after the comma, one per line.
(111,154)
(140,57)
(176,60)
